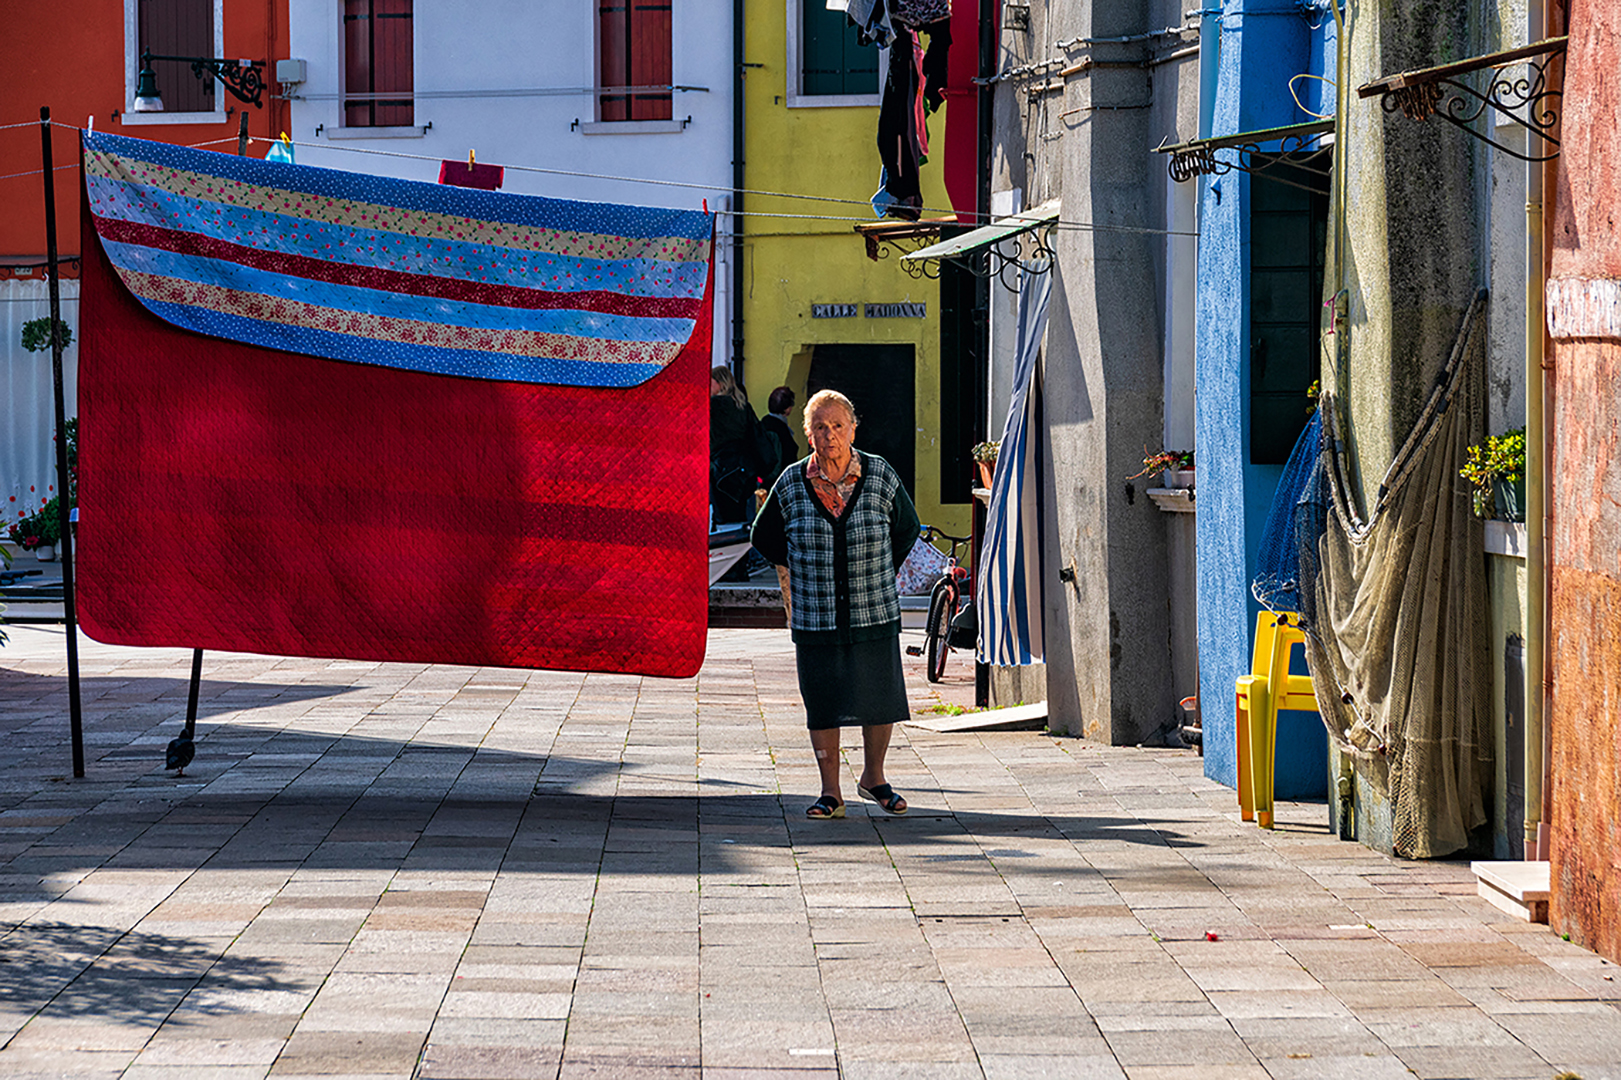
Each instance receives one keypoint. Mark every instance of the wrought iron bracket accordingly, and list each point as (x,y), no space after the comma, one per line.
(1030,251)
(244,79)
(1531,100)
(1298,148)
(1022,242)
(886,238)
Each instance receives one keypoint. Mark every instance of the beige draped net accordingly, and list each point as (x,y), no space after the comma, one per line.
(1399,646)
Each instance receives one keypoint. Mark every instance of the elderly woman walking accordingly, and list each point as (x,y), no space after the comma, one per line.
(843,524)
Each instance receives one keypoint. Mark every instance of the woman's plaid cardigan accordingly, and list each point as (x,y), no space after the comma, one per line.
(842,571)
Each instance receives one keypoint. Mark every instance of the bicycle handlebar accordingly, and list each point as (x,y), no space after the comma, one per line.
(931,533)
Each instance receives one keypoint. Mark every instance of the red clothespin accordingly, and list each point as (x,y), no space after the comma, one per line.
(706,206)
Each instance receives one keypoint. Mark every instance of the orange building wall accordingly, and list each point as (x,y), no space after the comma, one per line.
(1585,647)
(69,55)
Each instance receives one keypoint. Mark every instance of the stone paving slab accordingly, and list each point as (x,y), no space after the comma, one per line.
(392,870)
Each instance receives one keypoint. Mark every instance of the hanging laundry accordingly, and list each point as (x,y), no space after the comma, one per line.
(934,61)
(281,150)
(900,147)
(914,87)
(871,19)
(467,174)
(919,13)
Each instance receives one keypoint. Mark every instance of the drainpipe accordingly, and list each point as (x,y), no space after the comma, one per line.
(1540,177)
(737,188)
(1535,510)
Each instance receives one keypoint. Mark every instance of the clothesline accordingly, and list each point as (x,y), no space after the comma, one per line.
(1081,226)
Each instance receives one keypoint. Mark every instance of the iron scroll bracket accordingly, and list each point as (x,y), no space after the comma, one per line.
(886,238)
(1530,98)
(1298,147)
(244,79)
(1002,249)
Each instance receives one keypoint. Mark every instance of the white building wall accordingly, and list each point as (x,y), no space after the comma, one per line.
(521,74)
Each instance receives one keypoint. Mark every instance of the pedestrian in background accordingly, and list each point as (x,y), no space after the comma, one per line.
(776,423)
(842,523)
(735,467)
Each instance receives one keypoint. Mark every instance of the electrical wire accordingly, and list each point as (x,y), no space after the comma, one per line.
(707,187)
(1083,226)
(75,164)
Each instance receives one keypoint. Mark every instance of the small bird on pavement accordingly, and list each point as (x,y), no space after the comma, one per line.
(178,756)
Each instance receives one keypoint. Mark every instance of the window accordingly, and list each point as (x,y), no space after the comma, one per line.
(633,37)
(377,63)
(826,67)
(1288,238)
(173,28)
(831,61)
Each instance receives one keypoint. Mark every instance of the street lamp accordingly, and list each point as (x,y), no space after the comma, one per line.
(243,78)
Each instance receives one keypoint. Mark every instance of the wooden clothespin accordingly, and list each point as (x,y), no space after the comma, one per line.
(469,161)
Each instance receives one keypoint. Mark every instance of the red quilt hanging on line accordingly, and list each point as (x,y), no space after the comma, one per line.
(483,439)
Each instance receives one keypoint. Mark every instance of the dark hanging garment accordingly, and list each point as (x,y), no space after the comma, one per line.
(898,128)
(934,62)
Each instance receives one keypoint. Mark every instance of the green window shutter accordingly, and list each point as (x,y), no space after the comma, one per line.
(831,61)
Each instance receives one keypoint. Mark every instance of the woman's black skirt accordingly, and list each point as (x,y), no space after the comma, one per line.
(855,685)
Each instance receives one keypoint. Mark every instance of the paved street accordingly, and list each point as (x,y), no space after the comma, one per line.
(386,870)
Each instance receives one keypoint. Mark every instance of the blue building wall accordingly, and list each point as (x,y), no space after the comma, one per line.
(1263,44)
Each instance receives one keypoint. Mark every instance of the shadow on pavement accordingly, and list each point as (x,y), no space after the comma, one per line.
(131,976)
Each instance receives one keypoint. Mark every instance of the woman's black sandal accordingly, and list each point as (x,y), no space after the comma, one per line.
(825,808)
(885,796)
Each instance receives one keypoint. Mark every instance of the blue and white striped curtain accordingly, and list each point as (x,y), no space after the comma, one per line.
(1009,593)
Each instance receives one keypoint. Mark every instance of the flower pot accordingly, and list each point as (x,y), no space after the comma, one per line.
(985,469)
(1177,478)
(1510,499)
(45,553)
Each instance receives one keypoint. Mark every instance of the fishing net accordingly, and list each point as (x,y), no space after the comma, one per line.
(1277,579)
(1397,617)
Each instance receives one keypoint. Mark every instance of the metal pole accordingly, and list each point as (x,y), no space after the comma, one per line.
(982,283)
(242,134)
(191,697)
(64,485)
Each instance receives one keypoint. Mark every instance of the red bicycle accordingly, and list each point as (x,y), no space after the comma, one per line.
(945,600)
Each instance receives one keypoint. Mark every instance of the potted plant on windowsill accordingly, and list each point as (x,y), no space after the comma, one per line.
(38,532)
(985,461)
(1496,474)
(1174,466)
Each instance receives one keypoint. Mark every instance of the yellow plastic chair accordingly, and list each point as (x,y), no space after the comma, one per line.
(1262,694)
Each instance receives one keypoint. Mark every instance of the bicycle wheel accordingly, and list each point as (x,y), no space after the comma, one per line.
(942,606)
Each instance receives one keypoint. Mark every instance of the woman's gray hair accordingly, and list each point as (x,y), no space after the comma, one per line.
(828,397)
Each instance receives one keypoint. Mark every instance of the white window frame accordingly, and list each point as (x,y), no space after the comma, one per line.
(796,58)
(132,68)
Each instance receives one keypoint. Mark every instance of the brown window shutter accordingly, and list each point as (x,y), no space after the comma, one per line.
(634,50)
(179,28)
(650,57)
(378,40)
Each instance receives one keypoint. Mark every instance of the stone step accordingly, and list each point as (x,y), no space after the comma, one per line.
(1518,888)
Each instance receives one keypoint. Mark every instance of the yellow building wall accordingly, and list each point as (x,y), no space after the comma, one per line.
(790,263)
